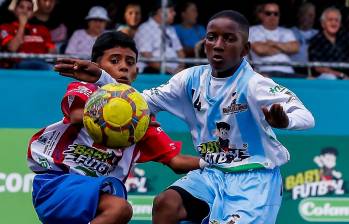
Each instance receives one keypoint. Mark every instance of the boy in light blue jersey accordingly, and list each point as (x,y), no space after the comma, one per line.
(230,110)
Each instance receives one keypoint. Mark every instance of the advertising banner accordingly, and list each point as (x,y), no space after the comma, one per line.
(315,180)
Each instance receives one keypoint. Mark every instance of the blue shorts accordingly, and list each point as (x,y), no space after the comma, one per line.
(249,197)
(71,198)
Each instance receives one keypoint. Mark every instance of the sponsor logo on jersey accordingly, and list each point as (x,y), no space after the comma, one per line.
(91,160)
(235,107)
(213,153)
(280,89)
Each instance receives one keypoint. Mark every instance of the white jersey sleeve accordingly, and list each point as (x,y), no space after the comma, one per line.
(105,79)
(164,97)
(167,96)
(267,93)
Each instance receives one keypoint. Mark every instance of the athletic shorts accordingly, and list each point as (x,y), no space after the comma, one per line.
(71,198)
(251,197)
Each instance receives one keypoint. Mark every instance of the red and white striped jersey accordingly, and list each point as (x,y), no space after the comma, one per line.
(65,147)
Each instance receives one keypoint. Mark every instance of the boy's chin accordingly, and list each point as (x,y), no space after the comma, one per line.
(77,121)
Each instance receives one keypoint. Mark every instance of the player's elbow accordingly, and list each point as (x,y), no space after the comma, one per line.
(311,122)
(177,168)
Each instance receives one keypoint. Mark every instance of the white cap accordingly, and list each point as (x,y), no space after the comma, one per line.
(13,4)
(97,12)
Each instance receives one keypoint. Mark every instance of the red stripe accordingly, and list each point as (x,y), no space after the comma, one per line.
(68,137)
(35,137)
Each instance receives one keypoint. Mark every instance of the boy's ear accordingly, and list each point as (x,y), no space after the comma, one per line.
(246,49)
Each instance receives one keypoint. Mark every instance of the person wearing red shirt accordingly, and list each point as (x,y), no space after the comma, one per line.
(67,160)
(23,37)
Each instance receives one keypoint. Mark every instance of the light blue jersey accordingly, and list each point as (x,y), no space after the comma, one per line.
(225,116)
(243,185)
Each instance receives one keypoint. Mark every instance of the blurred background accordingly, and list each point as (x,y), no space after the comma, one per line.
(169,38)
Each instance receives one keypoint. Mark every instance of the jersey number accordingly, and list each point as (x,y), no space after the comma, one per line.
(197,103)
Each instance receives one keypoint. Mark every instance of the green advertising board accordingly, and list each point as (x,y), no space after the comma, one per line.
(315,179)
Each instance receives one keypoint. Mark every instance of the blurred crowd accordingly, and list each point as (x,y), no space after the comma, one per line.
(33,26)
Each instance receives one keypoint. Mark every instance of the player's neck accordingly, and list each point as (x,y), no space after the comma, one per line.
(226,73)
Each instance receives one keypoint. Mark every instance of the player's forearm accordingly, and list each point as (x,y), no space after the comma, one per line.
(300,119)
(264,49)
(289,47)
(183,164)
(14,44)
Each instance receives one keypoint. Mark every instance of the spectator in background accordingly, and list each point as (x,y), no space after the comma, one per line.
(23,37)
(330,45)
(272,43)
(148,40)
(44,17)
(304,32)
(258,13)
(82,40)
(132,17)
(189,32)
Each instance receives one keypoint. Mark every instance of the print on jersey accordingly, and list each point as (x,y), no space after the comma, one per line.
(234,107)
(221,150)
(92,160)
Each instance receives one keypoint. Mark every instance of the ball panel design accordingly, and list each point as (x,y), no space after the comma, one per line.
(116,116)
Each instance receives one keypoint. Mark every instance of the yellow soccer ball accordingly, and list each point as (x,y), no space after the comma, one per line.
(116,116)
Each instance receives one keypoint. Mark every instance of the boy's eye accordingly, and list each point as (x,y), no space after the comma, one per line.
(229,38)
(130,62)
(114,60)
(210,37)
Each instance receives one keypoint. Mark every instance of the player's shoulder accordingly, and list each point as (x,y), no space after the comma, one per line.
(257,80)
(256,28)
(197,71)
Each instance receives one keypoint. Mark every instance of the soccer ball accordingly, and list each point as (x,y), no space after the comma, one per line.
(116,116)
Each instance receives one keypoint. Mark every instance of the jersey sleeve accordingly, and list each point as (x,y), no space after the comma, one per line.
(165,97)
(157,146)
(168,96)
(266,93)
(6,34)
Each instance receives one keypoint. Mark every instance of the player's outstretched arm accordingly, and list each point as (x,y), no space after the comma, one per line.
(276,116)
(183,163)
(82,70)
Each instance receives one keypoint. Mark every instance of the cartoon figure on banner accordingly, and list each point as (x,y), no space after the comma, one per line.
(327,162)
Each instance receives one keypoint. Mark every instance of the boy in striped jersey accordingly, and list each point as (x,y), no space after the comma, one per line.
(231,110)
(79,181)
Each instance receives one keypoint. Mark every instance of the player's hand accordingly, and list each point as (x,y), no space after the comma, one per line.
(276,116)
(82,70)
(22,19)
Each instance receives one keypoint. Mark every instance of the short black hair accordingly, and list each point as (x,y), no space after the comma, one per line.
(234,16)
(110,40)
(158,4)
(329,150)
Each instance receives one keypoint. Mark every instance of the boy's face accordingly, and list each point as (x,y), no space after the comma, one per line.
(120,63)
(133,15)
(225,44)
(24,8)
